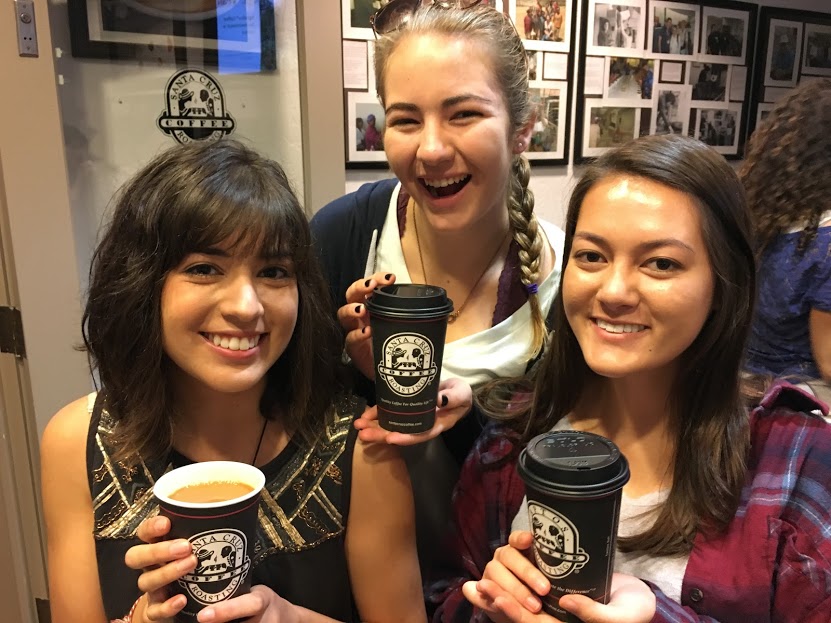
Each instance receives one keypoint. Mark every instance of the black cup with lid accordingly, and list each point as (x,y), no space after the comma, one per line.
(409,324)
(573,482)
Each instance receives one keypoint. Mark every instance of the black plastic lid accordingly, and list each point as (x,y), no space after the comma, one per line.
(573,463)
(410,300)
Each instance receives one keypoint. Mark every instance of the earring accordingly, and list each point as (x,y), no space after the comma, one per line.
(520,145)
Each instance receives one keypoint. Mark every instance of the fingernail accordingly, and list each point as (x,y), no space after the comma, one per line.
(388,276)
(532,603)
(357,309)
(543,588)
(187,563)
(208,614)
(444,401)
(366,283)
(177,548)
(159,523)
(363,329)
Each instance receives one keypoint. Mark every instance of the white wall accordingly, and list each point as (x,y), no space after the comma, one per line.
(109,111)
(552,185)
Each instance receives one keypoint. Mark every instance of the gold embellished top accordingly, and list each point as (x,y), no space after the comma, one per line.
(299,550)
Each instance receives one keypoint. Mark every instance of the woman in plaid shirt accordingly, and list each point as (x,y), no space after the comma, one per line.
(726,516)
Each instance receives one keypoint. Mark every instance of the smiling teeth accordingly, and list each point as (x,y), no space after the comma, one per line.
(233,343)
(620,328)
(446,182)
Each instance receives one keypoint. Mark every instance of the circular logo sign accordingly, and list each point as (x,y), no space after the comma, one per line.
(557,543)
(408,363)
(222,564)
(195,108)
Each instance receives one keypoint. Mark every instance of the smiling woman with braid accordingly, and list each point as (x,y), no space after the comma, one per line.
(454,86)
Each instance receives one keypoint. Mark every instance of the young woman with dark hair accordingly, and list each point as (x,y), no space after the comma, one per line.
(726,514)
(209,326)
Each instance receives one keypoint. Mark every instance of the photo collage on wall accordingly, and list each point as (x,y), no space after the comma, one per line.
(795,46)
(659,67)
(545,27)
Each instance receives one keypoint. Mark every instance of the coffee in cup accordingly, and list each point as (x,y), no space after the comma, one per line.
(213,505)
(573,483)
(409,323)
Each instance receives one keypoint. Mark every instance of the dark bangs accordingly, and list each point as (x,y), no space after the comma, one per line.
(240,207)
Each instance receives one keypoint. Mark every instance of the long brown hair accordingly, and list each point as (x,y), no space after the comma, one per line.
(785,172)
(712,433)
(187,199)
(509,63)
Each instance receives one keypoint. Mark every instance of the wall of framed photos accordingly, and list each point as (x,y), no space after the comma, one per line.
(546,28)
(794,47)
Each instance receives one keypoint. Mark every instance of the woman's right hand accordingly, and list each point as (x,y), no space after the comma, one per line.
(354,319)
(161,563)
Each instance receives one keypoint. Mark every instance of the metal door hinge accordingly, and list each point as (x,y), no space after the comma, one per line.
(11,332)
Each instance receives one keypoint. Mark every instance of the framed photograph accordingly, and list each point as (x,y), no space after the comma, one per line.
(724,38)
(355,16)
(236,36)
(674,30)
(548,141)
(543,24)
(762,112)
(534,64)
(783,50)
(671,71)
(607,126)
(719,128)
(709,84)
(671,111)
(816,54)
(628,81)
(365,128)
(615,29)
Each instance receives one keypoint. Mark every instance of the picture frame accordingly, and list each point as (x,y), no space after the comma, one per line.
(723,36)
(355,19)
(614,28)
(816,50)
(671,109)
(363,105)
(784,47)
(720,128)
(628,81)
(608,126)
(236,36)
(549,145)
(682,43)
(548,31)
(762,111)
(709,84)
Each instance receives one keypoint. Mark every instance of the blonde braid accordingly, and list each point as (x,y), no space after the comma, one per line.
(526,232)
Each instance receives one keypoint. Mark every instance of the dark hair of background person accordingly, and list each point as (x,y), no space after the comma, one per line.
(785,171)
(709,414)
(186,200)
(494,31)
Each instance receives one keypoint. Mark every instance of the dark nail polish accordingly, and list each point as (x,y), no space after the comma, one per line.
(366,283)
(444,401)
(363,329)
(388,276)
(357,309)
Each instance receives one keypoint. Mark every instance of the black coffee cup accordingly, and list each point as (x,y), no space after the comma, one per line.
(222,533)
(409,324)
(573,482)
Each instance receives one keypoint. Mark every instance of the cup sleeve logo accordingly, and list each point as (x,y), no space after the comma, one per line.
(408,364)
(221,565)
(556,542)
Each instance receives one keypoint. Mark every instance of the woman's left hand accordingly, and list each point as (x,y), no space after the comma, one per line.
(261,605)
(631,601)
(454,402)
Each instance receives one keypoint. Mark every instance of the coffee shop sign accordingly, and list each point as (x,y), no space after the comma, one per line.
(195,108)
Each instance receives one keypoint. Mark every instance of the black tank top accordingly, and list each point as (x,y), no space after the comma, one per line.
(299,551)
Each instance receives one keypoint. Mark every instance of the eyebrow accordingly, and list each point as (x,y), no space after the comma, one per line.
(446,103)
(647,245)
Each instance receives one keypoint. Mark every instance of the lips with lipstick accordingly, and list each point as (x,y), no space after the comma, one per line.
(233,343)
(445,187)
